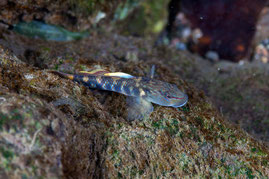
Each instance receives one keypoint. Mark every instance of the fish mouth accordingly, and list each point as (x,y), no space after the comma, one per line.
(181,103)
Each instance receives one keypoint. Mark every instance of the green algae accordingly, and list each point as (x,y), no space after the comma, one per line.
(174,128)
(148,17)
(7,154)
(14,115)
(24,144)
(124,9)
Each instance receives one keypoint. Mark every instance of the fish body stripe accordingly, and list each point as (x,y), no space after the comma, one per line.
(108,87)
(127,91)
(129,87)
(120,85)
(117,87)
(113,85)
(123,84)
(104,82)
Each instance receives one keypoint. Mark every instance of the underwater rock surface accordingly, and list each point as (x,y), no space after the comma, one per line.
(92,138)
(53,127)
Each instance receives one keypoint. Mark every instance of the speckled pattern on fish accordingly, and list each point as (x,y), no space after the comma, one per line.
(141,88)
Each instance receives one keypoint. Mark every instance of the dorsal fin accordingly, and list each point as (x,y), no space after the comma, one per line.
(152,71)
(102,72)
(119,74)
(97,72)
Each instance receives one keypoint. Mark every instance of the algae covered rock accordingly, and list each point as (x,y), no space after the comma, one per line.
(55,128)
(71,131)
(30,137)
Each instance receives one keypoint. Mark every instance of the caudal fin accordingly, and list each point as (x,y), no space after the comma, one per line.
(63,75)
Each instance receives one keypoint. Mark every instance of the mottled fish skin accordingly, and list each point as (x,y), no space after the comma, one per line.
(115,84)
(151,90)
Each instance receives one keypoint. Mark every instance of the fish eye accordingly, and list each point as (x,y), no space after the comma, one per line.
(168,96)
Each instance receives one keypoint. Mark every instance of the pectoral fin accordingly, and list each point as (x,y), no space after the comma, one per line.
(138,108)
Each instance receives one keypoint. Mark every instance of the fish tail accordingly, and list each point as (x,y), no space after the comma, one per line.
(63,75)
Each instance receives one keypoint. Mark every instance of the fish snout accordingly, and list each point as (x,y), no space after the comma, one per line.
(181,102)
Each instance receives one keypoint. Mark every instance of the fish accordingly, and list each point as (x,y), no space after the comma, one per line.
(141,92)
(38,29)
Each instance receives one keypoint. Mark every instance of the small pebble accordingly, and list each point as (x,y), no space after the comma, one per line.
(212,56)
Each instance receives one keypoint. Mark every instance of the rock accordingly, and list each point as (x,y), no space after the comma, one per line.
(97,141)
